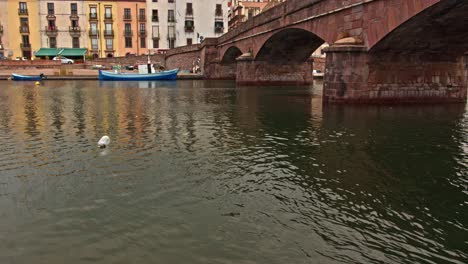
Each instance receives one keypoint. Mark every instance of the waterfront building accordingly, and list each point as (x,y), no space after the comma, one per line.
(185,22)
(62,24)
(19,34)
(132,33)
(242,10)
(101,27)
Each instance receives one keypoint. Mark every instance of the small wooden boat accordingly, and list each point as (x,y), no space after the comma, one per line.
(157,76)
(19,77)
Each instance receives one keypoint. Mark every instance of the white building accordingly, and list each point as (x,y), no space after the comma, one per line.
(177,23)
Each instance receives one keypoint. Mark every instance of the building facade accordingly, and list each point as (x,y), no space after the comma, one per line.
(184,22)
(101,27)
(132,33)
(62,24)
(19,35)
(242,10)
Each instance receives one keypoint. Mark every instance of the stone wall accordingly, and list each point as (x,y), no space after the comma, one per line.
(319,64)
(183,58)
(10,64)
(130,60)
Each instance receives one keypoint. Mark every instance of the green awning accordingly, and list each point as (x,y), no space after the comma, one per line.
(69,52)
(51,52)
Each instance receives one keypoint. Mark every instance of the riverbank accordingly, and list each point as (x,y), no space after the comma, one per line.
(77,74)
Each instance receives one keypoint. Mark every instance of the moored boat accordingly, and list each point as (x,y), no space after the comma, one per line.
(157,76)
(19,77)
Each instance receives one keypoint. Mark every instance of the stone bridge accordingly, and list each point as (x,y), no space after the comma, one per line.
(380,50)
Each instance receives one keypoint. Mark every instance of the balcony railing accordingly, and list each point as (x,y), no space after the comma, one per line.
(219,29)
(24,29)
(155,19)
(25,46)
(142,17)
(22,11)
(171,19)
(127,17)
(74,29)
(189,28)
(108,33)
(142,32)
(93,32)
(51,31)
(128,33)
(51,16)
(74,16)
(108,16)
(92,16)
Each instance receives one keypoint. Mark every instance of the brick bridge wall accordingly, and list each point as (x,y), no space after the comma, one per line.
(183,58)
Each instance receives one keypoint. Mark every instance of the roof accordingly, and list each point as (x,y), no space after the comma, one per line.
(51,52)
(73,52)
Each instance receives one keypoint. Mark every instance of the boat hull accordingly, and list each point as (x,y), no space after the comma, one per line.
(19,77)
(159,76)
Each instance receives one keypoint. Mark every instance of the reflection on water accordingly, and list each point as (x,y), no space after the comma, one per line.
(206,172)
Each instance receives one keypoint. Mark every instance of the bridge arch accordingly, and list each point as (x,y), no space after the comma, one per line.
(231,54)
(439,29)
(291,45)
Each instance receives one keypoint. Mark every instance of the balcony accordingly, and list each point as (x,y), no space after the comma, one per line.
(92,16)
(128,33)
(24,29)
(74,31)
(108,33)
(155,19)
(25,46)
(74,16)
(142,33)
(127,17)
(171,19)
(108,17)
(142,18)
(50,16)
(189,28)
(93,33)
(22,11)
(51,31)
(219,30)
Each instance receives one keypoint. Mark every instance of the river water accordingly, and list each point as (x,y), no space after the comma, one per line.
(206,172)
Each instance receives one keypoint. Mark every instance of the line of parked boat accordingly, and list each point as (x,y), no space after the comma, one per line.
(169,75)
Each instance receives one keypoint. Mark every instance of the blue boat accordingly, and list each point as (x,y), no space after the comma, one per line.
(19,77)
(157,76)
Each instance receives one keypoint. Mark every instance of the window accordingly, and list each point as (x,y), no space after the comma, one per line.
(155,43)
(108,12)
(52,42)
(189,25)
(171,43)
(108,29)
(154,15)
(128,42)
(171,32)
(170,1)
(170,15)
(219,26)
(142,14)
(155,1)
(142,28)
(219,10)
(93,28)
(189,41)
(74,24)
(128,28)
(92,12)
(143,42)
(127,13)
(94,43)
(23,8)
(109,44)
(76,42)
(50,8)
(189,9)
(155,32)
(25,39)
(74,9)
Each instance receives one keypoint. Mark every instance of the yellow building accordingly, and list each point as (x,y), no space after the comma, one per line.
(20,33)
(102,28)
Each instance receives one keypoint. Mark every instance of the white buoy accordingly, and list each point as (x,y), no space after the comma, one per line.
(103,142)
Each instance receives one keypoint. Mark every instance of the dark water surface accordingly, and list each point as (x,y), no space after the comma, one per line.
(204,172)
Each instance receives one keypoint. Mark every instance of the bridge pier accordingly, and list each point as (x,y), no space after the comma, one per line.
(353,75)
(251,72)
